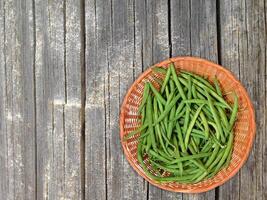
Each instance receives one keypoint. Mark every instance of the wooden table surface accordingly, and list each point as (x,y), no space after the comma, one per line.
(65,67)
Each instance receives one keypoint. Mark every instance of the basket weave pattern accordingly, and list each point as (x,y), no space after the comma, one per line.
(244,130)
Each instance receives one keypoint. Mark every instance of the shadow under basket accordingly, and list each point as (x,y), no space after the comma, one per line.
(244,130)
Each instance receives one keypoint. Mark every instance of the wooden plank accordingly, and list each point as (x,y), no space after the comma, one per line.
(243,50)
(17,104)
(194,32)
(73,123)
(97,19)
(3,99)
(50,99)
(58,96)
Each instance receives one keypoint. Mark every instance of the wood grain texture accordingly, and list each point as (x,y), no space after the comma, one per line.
(97,24)
(65,67)
(58,96)
(17,104)
(194,32)
(73,123)
(3,101)
(243,50)
(50,99)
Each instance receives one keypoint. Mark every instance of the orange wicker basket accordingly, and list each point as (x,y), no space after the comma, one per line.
(244,130)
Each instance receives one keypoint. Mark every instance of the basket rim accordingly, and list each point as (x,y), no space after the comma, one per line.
(252,122)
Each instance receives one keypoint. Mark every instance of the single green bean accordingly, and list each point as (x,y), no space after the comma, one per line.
(170,124)
(166,80)
(177,153)
(157,94)
(176,81)
(234,113)
(190,127)
(144,98)
(205,124)
(150,122)
(180,137)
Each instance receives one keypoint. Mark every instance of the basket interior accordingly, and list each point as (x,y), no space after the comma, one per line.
(244,129)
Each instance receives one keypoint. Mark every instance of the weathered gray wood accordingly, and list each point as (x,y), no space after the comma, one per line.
(194,32)
(50,99)
(73,123)
(58,96)
(243,50)
(3,101)
(17,135)
(97,23)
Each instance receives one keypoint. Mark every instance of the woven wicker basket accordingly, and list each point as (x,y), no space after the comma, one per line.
(244,131)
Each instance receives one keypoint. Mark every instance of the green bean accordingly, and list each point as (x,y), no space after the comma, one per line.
(203,101)
(140,160)
(194,144)
(201,177)
(166,168)
(164,155)
(217,86)
(197,140)
(199,78)
(194,92)
(234,113)
(215,116)
(157,127)
(226,152)
(145,95)
(175,142)
(176,178)
(158,157)
(165,82)
(190,157)
(213,156)
(170,125)
(180,137)
(168,142)
(186,120)
(160,70)
(148,142)
(179,108)
(172,87)
(168,108)
(190,127)
(212,92)
(207,147)
(138,130)
(205,124)
(189,94)
(176,81)
(150,122)
(218,158)
(197,135)
(198,122)
(167,91)
(157,94)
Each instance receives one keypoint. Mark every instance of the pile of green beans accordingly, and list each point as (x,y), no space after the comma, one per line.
(186,127)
